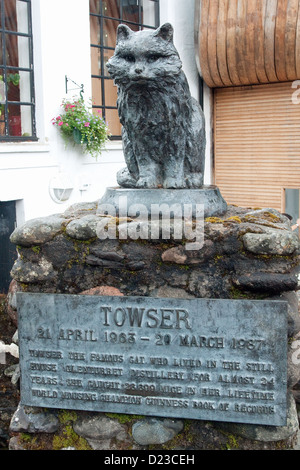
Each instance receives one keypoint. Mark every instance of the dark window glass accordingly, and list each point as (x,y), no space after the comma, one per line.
(17,104)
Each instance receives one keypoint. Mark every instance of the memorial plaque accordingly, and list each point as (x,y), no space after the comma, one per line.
(223,360)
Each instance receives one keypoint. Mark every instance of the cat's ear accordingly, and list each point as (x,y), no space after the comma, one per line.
(123,33)
(165,32)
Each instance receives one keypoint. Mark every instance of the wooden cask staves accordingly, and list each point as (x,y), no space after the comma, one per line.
(247,42)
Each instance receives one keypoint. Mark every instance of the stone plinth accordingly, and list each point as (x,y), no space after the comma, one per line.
(208,198)
(245,254)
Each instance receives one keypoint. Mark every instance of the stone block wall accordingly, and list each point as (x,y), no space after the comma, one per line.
(250,254)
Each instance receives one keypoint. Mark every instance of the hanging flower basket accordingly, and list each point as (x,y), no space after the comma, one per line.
(79,125)
(79,138)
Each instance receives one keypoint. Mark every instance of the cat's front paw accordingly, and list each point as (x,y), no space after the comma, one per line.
(149,183)
(174,183)
(194,180)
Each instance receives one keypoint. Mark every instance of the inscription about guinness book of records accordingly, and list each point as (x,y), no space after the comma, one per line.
(223,360)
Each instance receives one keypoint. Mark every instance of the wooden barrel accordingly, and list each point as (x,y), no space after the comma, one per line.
(248,42)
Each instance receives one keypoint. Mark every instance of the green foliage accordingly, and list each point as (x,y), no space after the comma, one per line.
(232,442)
(67,417)
(13,78)
(69,438)
(77,123)
(122,418)
(236,293)
(234,218)
(214,220)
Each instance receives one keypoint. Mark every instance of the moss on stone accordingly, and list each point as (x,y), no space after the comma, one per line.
(232,443)
(234,219)
(236,293)
(266,216)
(35,442)
(272,216)
(122,418)
(69,438)
(184,267)
(214,220)
(26,438)
(67,416)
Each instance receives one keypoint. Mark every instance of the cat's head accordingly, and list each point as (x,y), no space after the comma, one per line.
(144,57)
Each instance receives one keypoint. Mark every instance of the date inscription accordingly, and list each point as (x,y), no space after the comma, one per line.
(200,359)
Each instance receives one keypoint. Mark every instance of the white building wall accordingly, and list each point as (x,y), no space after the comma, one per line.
(62,47)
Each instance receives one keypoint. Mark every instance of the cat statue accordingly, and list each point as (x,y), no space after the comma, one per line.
(163,126)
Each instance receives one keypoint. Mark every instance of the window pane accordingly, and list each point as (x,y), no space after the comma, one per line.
(2,121)
(14,120)
(148,12)
(131,10)
(112,118)
(19,120)
(95,6)
(96,60)
(18,86)
(111,9)
(11,54)
(16,16)
(110,93)
(95,30)
(2,87)
(25,88)
(17,51)
(26,121)
(96,91)
(13,85)
(110,33)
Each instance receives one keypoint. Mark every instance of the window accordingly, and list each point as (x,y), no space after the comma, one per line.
(17,108)
(106,15)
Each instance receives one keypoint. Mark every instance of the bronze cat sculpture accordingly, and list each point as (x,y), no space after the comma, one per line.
(163,126)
